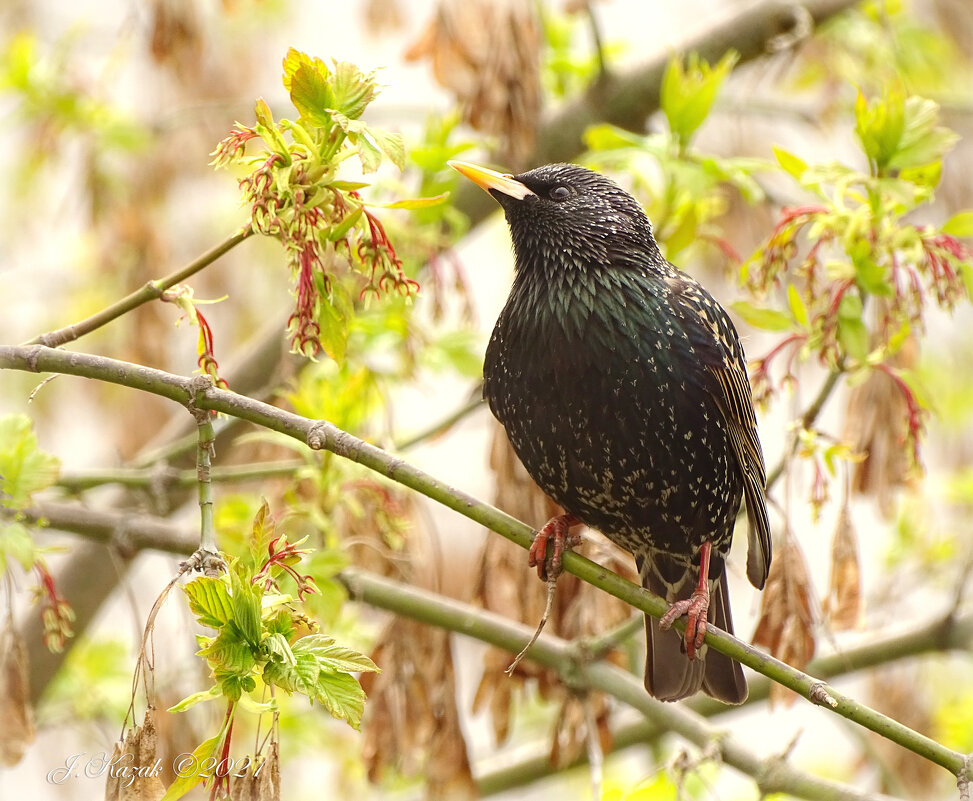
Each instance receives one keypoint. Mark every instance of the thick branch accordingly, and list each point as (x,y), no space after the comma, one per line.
(628,99)
(772,775)
(320,434)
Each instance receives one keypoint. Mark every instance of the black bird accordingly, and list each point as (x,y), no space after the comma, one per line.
(622,386)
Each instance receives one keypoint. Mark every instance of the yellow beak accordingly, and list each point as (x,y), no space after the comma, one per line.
(488,179)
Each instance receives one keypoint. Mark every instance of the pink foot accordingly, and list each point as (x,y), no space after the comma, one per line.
(555,529)
(695,607)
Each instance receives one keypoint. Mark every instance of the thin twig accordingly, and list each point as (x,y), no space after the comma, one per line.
(806,420)
(150,291)
(551,590)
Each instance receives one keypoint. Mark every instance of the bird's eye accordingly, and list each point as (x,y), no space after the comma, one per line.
(560,193)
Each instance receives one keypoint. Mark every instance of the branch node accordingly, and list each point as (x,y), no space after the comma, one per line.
(32,354)
(965,778)
(209,563)
(197,387)
(317,436)
(818,693)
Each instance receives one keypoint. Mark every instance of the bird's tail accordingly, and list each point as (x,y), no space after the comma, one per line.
(669,673)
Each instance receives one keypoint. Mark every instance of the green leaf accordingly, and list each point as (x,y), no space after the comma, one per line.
(334,317)
(16,543)
(790,163)
(609,137)
(196,698)
(684,234)
(870,275)
(413,203)
(852,332)
(352,90)
(209,600)
(687,95)
(923,140)
(338,231)
(960,224)
(798,308)
(307,80)
(277,648)
(331,656)
(233,685)
(342,696)
(390,143)
(190,775)
(229,652)
(24,469)
(246,608)
(879,125)
(899,133)
(765,319)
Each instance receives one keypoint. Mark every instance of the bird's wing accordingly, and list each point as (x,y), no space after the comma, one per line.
(715,344)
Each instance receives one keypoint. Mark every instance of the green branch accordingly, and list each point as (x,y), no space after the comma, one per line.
(772,775)
(162,476)
(129,531)
(150,291)
(320,434)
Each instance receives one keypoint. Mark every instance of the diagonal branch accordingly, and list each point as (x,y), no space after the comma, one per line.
(772,774)
(322,435)
(126,531)
(150,291)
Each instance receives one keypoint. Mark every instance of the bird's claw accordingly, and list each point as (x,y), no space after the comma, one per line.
(556,529)
(695,608)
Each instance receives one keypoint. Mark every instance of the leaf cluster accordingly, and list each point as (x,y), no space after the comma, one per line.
(262,638)
(684,191)
(296,196)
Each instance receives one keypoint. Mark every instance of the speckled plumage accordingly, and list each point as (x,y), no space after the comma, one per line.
(622,386)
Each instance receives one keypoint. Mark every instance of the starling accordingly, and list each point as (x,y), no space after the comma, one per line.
(622,386)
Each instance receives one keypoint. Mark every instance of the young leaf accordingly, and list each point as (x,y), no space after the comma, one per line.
(16,543)
(798,308)
(188,774)
(246,609)
(24,469)
(765,319)
(790,163)
(342,696)
(307,81)
(412,203)
(196,698)
(209,600)
(351,90)
(687,95)
(390,144)
(331,656)
(960,225)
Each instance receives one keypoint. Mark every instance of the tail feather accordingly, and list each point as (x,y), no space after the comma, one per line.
(669,674)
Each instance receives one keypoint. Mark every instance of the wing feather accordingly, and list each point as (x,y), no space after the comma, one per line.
(716,345)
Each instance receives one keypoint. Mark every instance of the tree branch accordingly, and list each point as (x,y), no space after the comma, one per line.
(771,775)
(150,291)
(126,532)
(320,434)
(628,99)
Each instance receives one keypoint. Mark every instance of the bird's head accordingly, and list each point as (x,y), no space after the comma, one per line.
(563,216)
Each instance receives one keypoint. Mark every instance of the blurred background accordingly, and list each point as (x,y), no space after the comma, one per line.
(111,112)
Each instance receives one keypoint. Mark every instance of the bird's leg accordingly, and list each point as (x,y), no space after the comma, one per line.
(695,607)
(557,529)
